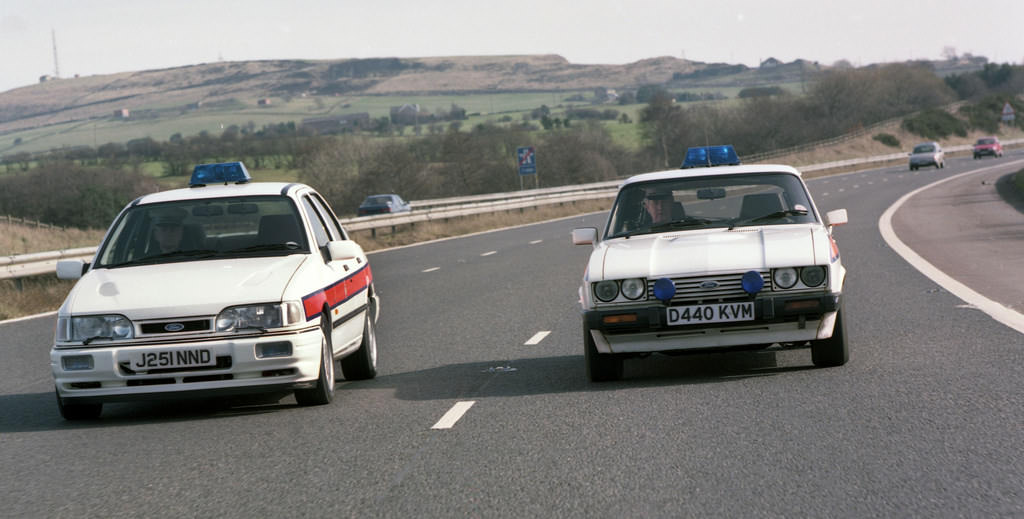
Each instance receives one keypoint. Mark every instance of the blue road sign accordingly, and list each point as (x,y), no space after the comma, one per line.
(527,160)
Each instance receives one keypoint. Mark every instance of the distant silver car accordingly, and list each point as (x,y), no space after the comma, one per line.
(927,154)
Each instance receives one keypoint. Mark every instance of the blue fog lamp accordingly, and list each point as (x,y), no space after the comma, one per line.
(664,290)
(752,282)
(223,173)
(708,156)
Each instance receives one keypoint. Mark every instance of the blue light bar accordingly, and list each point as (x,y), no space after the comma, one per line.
(226,172)
(708,156)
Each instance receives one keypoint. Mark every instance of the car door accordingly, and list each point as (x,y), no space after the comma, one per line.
(351,277)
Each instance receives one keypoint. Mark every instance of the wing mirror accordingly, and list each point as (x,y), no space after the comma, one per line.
(584,236)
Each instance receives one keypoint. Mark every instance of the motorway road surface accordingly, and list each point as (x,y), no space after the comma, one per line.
(925,420)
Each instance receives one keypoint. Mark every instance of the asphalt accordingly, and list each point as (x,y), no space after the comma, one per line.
(971,228)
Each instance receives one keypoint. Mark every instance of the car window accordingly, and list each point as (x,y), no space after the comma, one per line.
(315,220)
(329,218)
(709,202)
(924,148)
(189,230)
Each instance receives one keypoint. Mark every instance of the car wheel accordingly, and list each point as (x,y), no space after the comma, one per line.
(323,393)
(601,367)
(362,364)
(832,351)
(78,411)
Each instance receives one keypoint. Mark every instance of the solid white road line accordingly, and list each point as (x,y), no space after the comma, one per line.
(539,336)
(997,311)
(453,415)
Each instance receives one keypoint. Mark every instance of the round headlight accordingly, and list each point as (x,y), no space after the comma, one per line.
(227,320)
(784,277)
(121,328)
(606,290)
(812,276)
(634,288)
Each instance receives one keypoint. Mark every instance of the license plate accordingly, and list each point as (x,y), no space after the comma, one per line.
(169,359)
(716,313)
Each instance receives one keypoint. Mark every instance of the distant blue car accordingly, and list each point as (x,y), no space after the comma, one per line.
(383,204)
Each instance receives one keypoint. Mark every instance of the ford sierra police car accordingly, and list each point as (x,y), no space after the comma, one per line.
(225,287)
(711,258)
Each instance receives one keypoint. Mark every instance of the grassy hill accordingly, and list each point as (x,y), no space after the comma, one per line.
(209,97)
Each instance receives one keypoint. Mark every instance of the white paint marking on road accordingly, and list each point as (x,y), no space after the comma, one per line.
(453,415)
(535,242)
(856,186)
(539,336)
(431,269)
(489,253)
(997,311)
(824,194)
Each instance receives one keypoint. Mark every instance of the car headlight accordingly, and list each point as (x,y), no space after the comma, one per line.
(606,290)
(784,277)
(259,317)
(812,276)
(89,328)
(634,288)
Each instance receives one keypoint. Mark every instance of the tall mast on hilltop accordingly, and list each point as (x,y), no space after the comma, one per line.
(56,66)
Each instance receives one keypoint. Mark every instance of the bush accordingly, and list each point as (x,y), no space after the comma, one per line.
(887,139)
(935,124)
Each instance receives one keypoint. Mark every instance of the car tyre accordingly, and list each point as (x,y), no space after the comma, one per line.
(78,411)
(833,351)
(601,367)
(362,364)
(323,393)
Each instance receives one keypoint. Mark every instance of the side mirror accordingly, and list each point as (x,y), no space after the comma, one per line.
(836,217)
(71,269)
(584,236)
(342,250)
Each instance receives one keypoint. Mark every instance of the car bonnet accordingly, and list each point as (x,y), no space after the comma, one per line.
(715,250)
(182,289)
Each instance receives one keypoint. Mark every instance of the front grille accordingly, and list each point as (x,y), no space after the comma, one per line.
(159,328)
(729,288)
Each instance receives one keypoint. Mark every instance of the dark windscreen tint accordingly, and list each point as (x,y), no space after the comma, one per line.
(203,229)
(924,148)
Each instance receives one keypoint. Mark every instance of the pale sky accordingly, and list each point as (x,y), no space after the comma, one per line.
(108,36)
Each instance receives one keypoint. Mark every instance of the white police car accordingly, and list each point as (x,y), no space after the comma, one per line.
(225,287)
(707,258)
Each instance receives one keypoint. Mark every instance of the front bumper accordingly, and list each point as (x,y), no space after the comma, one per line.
(238,370)
(777,319)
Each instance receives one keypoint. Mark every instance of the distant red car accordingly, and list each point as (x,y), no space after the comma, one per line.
(988,146)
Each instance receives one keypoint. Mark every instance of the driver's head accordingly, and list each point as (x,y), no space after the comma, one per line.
(168,228)
(658,203)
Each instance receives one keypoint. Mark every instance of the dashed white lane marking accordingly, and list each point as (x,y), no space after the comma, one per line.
(535,242)
(431,269)
(453,415)
(539,336)
(489,253)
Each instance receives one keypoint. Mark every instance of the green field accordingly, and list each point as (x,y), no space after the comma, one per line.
(161,122)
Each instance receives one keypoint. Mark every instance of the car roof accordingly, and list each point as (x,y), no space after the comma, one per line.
(706,172)
(222,191)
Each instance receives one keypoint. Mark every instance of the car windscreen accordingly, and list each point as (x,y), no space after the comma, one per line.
(729,201)
(377,200)
(986,141)
(192,230)
(924,148)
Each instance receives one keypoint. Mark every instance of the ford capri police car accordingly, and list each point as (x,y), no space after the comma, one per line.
(712,258)
(225,287)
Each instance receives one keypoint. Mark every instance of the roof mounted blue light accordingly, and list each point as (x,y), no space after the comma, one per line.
(708,156)
(225,173)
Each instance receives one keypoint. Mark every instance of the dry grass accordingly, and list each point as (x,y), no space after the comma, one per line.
(16,238)
(31,295)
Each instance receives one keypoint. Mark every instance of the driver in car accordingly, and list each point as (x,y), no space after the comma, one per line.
(658,204)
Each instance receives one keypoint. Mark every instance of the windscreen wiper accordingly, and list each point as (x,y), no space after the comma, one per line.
(768,217)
